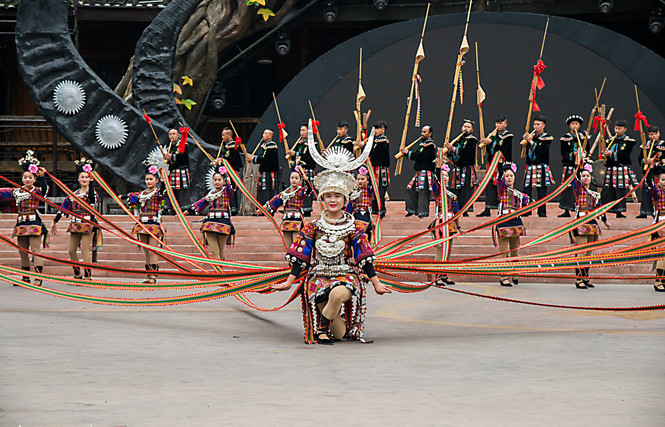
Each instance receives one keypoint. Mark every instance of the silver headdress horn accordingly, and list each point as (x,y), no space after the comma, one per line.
(337,161)
(338,158)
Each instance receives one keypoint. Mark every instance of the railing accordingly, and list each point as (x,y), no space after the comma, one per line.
(21,133)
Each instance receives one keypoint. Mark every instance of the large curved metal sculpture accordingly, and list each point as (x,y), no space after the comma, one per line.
(69,94)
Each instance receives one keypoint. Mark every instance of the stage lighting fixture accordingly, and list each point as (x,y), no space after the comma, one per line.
(656,22)
(380,4)
(282,44)
(605,5)
(329,11)
(217,99)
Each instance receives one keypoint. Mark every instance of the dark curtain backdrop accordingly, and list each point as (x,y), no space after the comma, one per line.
(578,56)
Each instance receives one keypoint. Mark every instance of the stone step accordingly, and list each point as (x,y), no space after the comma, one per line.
(257,243)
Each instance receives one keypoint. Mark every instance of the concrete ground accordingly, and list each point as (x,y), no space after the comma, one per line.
(439,358)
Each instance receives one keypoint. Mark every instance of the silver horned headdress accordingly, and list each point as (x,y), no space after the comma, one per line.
(338,162)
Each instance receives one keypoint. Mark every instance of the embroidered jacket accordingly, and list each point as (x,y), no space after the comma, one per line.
(501,142)
(73,205)
(539,152)
(569,147)
(23,199)
(509,199)
(620,147)
(148,203)
(303,156)
(221,202)
(380,154)
(424,156)
(346,142)
(294,202)
(267,157)
(464,153)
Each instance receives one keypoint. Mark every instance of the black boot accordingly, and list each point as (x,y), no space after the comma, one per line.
(659,286)
(88,273)
(585,279)
(148,277)
(321,334)
(26,279)
(486,212)
(565,214)
(77,272)
(443,281)
(579,283)
(38,269)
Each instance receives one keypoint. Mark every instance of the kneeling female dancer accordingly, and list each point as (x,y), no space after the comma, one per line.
(82,233)
(585,200)
(217,226)
(509,232)
(29,227)
(150,203)
(335,245)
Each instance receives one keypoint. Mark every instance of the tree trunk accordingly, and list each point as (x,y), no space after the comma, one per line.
(214,27)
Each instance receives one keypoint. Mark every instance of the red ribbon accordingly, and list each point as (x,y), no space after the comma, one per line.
(416,81)
(315,126)
(599,120)
(535,105)
(537,70)
(183,139)
(640,117)
(238,142)
(540,84)
(281,127)
(146,118)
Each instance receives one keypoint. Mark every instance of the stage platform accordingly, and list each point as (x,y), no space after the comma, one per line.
(439,359)
(258,242)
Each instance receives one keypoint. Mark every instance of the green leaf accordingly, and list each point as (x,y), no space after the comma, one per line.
(188,103)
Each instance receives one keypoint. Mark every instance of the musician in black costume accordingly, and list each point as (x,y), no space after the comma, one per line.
(538,173)
(300,152)
(655,149)
(380,158)
(498,140)
(232,152)
(619,177)
(267,158)
(422,184)
(463,155)
(570,144)
(177,159)
(343,139)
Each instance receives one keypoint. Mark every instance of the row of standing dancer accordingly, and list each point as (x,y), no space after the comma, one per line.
(217,227)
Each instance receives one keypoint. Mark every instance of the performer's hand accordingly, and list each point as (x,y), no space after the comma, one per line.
(379,287)
(449,146)
(286,285)
(607,153)
(404,151)
(291,153)
(41,172)
(168,157)
(484,142)
(54,229)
